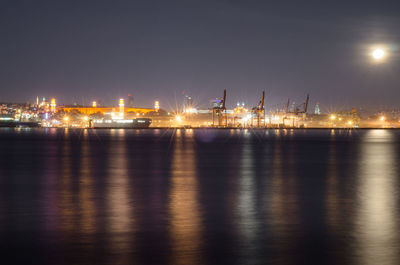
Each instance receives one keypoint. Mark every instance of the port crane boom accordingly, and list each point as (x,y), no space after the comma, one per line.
(219,110)
(295,111)
(259,110)
(302,108)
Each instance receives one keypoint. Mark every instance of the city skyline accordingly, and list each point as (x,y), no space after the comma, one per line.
(79,52)
(200,132)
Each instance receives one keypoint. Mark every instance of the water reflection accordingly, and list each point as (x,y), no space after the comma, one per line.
(283,208)
(377,227)
(76,193)
(66,194)
(87,207)
(50,201)
(125,197)
(332,203)
(247,208)
(186,227)
(120,221)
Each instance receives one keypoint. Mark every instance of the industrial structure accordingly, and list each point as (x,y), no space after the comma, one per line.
(302,108)
(259,111)
(219,111)
(47,113)
(292,114)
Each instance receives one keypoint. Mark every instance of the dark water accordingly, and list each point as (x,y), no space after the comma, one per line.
(199,197)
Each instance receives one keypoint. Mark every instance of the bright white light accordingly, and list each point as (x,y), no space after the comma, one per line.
(378,54)
(178,118)
(246,118)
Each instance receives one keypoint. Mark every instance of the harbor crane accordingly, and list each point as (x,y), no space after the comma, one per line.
(259,110)
(302,108)
(299,109)
(219,110)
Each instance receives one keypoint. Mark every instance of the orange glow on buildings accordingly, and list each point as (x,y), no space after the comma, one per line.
(103,110)
(89,110)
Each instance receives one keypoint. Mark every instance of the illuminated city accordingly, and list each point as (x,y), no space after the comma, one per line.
(199,132)
(189,115)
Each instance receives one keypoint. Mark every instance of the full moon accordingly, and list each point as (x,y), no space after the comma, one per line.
(378,54)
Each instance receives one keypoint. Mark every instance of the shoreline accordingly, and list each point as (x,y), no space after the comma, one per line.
(207,128)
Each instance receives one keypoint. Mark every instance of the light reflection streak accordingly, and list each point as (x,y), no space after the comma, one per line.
(377,227)
(249,225)
(50,199)
(2,204)
(332,190)
(87,207)
(283,209)
(284,200)
(119,205)
(184,207)
(66,193)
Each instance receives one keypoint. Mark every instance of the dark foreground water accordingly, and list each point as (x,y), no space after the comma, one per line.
(199,196)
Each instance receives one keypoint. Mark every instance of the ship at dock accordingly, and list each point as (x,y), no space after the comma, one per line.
(138,123)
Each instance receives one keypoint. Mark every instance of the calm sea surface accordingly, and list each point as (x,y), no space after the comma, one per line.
(199,196)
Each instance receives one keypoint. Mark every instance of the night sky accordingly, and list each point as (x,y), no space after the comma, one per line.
(78,51)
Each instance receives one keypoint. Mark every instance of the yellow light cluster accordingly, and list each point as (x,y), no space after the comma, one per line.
(53,105)
(121,105)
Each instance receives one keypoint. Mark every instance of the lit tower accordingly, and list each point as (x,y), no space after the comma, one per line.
(94,104)
(53,105)
(121,105)
(187,103)
(156,105)
(317,110)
